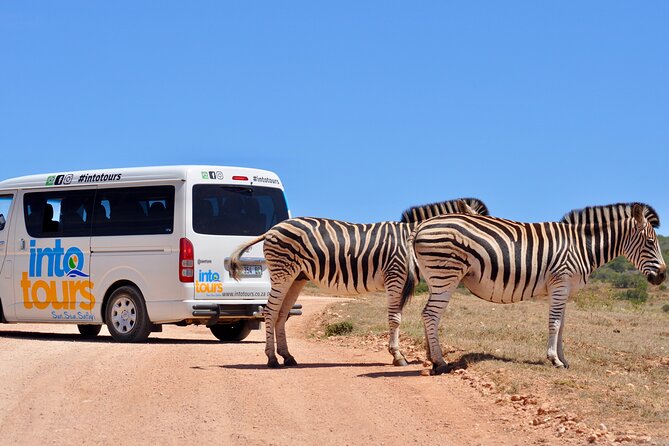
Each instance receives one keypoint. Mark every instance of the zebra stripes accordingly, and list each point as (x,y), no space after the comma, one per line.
(338,256)
(504,261)
(423,212)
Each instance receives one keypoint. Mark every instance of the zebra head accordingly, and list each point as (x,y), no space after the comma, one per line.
(642,247)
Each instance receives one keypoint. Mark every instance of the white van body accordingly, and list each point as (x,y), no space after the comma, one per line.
(151,241)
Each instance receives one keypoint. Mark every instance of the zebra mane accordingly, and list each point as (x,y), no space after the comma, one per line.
(425,211)
(616,211)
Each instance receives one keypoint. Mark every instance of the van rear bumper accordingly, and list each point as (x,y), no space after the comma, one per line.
(217,312)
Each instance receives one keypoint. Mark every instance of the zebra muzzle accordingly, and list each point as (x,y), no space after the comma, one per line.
(658,278)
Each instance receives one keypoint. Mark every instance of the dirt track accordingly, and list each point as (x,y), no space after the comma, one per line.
(183,386)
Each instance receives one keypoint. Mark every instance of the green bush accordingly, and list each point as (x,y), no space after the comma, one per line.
(421,288)
(338,328)
(620,265)
(638,294)
(665,308)
(628,280)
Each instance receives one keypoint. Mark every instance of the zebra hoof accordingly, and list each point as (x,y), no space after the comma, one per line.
(441,369)
(400,362)
(273,363)
(290,362)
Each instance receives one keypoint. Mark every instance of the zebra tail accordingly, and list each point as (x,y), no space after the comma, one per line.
(235,263)
(410,283)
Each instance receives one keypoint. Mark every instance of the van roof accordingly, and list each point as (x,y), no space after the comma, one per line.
(193,173)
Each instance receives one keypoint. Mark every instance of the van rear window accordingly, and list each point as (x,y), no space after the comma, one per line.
(237,210)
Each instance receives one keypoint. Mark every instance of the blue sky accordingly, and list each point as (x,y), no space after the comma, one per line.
(363,108)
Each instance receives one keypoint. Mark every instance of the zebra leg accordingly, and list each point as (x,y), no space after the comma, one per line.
(558,303)
(432,313)
(272,310)
(560,351)
(281,340)
(394,320)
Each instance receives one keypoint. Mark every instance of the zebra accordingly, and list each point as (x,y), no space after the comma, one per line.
(341,257)
(504,261)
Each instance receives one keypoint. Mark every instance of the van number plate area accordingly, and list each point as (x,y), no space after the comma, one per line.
(251,270)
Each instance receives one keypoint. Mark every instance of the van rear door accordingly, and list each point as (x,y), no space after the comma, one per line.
(224,217)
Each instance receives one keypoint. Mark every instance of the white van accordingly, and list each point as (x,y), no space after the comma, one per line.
(136,248)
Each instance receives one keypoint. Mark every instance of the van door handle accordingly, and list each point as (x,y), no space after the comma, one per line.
(22,244)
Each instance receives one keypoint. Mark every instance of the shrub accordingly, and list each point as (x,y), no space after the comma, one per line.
(421,288)
(628,280)
(638,294)
(338,328)
(665,308)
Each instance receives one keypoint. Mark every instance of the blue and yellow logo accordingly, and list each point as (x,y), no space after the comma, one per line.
(54,280)
(209,283)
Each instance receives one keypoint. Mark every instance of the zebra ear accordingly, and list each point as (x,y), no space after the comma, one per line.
(638,211)
(464,208)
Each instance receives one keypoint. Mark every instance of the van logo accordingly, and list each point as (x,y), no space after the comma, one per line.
(54,278)
(212,175)
(208,282)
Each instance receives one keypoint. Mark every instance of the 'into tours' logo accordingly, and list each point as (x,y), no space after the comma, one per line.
(56,279)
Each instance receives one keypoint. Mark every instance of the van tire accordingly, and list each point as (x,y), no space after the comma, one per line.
(234,332)
(89,331)
(126,315)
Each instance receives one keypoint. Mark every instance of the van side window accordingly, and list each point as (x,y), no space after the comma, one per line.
(5,204)
(58,213)
(134,211)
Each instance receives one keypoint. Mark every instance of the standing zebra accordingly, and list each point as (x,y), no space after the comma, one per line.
(341,257)
(504,261)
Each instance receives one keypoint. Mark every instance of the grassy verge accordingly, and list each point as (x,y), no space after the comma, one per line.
(618,350)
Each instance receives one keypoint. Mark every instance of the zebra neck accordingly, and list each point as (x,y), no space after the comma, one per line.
(602,243)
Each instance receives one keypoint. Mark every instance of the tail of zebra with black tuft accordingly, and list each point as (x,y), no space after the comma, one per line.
(412,275)
(235,264)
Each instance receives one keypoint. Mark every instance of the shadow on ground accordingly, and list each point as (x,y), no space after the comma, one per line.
(74,337)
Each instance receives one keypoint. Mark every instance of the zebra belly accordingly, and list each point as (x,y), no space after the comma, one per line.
(339,286)
(493,291)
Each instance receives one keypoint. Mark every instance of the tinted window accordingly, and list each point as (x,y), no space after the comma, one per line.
(58,213)
(5,204)
(134,211)
(235,210)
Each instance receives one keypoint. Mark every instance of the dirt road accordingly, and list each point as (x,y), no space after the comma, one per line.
(183,386)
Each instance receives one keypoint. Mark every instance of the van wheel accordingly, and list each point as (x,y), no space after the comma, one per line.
(234,332)
(89,331)
(126,316)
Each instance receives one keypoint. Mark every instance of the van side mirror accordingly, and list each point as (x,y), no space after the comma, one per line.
(2,222)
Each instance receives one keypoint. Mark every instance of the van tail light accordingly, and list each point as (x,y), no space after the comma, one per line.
(186,261)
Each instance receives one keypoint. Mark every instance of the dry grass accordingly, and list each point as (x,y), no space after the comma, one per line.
(618,351)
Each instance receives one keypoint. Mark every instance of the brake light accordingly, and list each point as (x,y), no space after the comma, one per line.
(186,261)
(240,178)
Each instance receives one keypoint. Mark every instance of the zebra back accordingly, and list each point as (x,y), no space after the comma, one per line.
(602,214)
(423,212)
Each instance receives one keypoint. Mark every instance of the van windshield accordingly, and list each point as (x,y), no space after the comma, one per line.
(237,210)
